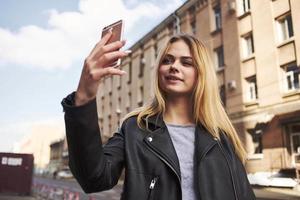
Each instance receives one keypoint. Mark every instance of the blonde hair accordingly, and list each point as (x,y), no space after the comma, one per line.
(208,107)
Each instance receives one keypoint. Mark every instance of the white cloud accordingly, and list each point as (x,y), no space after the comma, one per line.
(70,36)
(18,131)
(33,137)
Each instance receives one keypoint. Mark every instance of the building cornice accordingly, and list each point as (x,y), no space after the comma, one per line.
(162,25)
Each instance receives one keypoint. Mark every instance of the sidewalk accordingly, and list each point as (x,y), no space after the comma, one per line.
(264,193)
(15,197)
(261,193)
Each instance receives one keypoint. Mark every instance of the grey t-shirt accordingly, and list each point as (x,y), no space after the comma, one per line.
(183,138)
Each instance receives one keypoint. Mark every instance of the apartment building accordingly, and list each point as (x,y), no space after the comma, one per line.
(255,46)
(59,158)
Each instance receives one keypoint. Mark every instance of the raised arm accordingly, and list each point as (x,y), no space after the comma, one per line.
(95,167)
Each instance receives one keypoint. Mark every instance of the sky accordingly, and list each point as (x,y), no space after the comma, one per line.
(42,48)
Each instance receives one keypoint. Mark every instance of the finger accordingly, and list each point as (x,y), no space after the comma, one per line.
(105,38)
(102,42)
(114,46)
(97,74)
(109,58)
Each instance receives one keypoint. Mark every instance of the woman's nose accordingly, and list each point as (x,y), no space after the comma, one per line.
(174,66)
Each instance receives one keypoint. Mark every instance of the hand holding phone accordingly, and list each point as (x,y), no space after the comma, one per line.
(101,62)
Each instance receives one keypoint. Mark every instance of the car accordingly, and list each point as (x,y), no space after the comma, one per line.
(64,174)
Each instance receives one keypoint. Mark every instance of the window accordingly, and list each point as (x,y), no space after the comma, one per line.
(293,129)
(119,82)
(111,85)
(248,46)
(257,141)
(246,6)
(110,103)
(128,102)
(140,96)
(142,65)
(219,57)
(172,28)
(109,124)
(129,73)
(243,7)
(192,14)
(193,27)
(118,110)
(285,28)
(218,17)
(101,125)
(223,94)
(177,25)
(291,77)
(251,88)
(155,51)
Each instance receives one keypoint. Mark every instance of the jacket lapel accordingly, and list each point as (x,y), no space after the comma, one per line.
(203,141)
(160,141)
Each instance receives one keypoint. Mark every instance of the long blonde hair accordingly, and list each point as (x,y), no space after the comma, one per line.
(208,107)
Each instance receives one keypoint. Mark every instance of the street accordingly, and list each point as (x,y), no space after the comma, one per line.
(46,188)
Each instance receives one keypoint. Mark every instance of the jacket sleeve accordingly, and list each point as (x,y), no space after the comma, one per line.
(244,188)
(95,167)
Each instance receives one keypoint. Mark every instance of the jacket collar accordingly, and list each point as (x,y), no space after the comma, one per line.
(161,141)
(203,141)
(154,122)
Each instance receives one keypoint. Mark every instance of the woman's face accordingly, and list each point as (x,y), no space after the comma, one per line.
(176,73)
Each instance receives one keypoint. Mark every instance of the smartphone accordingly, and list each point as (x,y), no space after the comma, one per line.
(117,35)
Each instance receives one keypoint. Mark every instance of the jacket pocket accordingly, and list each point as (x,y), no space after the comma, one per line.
(152,186)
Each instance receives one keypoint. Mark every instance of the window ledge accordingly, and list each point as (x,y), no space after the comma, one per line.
(285,42)
(214,32)
(291,93)
(250,57)
(244,15)
(220,69)
(257,156)
(251,103)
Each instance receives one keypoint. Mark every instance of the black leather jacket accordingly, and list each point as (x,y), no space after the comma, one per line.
(151,165)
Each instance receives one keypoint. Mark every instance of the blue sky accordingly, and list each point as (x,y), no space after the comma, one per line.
(42,47)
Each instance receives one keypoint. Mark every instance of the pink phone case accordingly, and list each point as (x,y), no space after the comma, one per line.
(117,30)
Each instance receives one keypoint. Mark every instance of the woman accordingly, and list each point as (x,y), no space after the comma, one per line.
(180,146)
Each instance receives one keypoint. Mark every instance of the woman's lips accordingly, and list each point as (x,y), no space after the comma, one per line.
(172,79)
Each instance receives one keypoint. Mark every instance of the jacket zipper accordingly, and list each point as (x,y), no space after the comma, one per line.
(152,184)
(151,187)
(168,164)
(231,173)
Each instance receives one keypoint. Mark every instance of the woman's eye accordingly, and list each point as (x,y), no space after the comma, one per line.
(187,63)
(166,61)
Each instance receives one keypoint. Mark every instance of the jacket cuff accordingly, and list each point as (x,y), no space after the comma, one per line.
(70,109)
